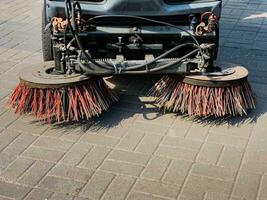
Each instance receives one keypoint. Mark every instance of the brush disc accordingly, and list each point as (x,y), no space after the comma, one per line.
(229,77)
(218,94)
(43,76)
(60,97)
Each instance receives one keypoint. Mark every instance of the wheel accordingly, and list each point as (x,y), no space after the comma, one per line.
(47,44)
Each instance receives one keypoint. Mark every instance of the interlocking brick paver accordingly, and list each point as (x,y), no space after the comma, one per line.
(6,159)
(156,168)
(100,139)
(70,172)
(35,173)
(53,144)
(13,190)
(122,168)
(97,185)
(131,140)
(16,169)
(227,140)
(177,153)
(65,186)
(42,154)
(77,152)
(149,143)
(210,153)
(20,144)
(182,143)
(6,137)
(263,188)
(177,172)
(131,157)
(156,188)
(133,151)
(95,157)
(119,188)
(201,184)
(215,172)
(230,157)
(38,194)
(247,186)
(144,196)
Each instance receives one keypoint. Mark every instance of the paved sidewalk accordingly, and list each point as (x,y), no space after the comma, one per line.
(133,151)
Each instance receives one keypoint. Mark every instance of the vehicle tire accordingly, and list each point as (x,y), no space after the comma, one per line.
(47,44)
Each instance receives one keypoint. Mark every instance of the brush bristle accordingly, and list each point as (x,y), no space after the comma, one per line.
(65,104)
(176,96)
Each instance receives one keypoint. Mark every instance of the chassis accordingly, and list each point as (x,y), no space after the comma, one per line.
(132,36)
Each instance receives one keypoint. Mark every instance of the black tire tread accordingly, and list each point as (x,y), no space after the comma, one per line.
(47,46)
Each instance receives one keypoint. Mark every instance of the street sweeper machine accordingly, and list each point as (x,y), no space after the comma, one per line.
(87,40)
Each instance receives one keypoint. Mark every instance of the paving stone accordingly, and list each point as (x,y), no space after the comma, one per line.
(156,188)
(122,168)
(119,188)
(7,118)
(95,157)
(158,119)
(20,144)
(6,159)
(16,169)
(144,127)
(180,127)
(205,184)
(247,186)
(13,190)
(53,144)
(35,173)
(212,171)
(69,133)
(60,196)
(263,188)
(77,152)
(97,185)
(210,153)
(227,140)
(243,130)
(156,168)
(254,167)
(6,137)
(117,132)
(144,196)
(198,132)
(43,154)
(149,143)
(177,172)
(176,153)
(181,143)
(74,173)
(131,140)
(39,194)
(131,157)
(61,185)
(231,157)
(100,139)
(25,125)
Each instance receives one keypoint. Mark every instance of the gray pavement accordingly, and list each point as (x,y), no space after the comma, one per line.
(133,151)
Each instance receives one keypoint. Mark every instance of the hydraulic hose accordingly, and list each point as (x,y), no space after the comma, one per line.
(71,21)
(87,70)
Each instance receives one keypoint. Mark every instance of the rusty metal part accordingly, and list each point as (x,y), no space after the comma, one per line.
(237,75)
(58,24)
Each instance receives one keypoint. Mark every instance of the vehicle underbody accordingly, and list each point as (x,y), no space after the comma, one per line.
(134,37)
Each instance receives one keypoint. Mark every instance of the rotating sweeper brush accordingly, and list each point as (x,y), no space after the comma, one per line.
(60,97)
(91,39)
(218,94)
